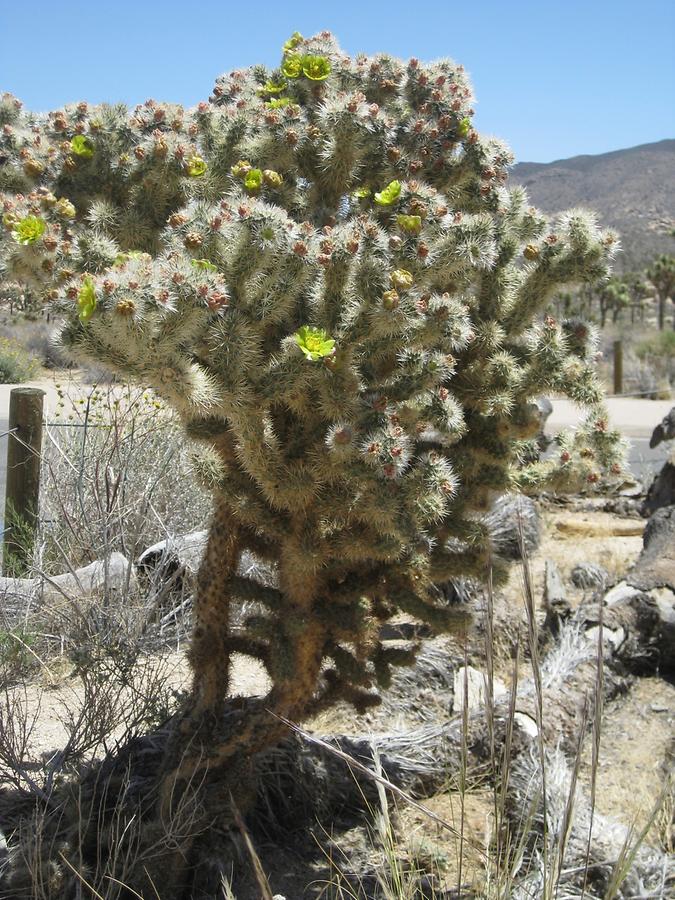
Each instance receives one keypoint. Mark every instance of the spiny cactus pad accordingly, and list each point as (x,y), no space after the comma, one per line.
(325,272)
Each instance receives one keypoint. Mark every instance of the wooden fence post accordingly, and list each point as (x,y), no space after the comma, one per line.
(22,495)
(618,367)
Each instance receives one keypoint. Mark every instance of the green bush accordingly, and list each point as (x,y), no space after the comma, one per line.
(661,346)
(16,365)
(17,657)
(659,352)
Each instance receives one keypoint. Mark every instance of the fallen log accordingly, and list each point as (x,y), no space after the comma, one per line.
(600,529)
(112,574)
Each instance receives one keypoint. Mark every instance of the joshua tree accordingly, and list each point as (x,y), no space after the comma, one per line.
(323,271)
(613,296)
(638,291)
(662,275)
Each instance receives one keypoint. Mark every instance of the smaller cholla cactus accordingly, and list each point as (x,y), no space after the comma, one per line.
(324,271)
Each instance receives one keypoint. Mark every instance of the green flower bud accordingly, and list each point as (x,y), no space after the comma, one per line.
(292,42)
(123,258)
(204,264)
(389,195)
(195,166)
(316,68)
(86,300)
(411,224)
(253,180)
(361,193)
(65,208)
(272,178)
(125,307)
(315,343)
(82,146)
(401,279)
(464,127)
(241,169)
(291,67)
(390,299)
(278,102)
(33,167)
(28,230)
(273,87)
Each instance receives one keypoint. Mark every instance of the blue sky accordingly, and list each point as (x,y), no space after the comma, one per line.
(554,79)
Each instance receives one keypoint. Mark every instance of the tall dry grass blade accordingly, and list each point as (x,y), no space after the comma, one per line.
(501,785)
(628,852)
(463,766)
(82,879)
(131,890)
(568,814)
(226,887)
(596,733)
(533,645)
(258,871)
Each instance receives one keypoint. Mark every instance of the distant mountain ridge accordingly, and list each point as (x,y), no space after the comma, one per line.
(632,190)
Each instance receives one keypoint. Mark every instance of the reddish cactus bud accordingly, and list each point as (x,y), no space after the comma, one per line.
(217,300)
(193,239)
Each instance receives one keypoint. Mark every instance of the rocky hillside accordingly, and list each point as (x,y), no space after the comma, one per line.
(633,191)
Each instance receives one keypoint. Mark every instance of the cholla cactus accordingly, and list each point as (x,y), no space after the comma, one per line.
(323,270)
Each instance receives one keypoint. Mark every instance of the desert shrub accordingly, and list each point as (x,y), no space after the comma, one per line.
(658,352)
(112,461)
(17,656)
(38,338)
(639,375)
(661,345)
(16,364)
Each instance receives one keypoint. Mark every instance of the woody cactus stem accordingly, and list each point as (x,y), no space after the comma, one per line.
(324,271)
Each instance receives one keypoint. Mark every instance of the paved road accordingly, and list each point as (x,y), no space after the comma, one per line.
(636,419)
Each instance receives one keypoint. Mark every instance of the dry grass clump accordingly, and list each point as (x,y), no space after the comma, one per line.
(112,459)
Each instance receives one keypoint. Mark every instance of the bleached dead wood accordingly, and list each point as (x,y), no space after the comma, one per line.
(112,574)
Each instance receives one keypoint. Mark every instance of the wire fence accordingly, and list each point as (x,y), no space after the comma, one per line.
(121,458)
